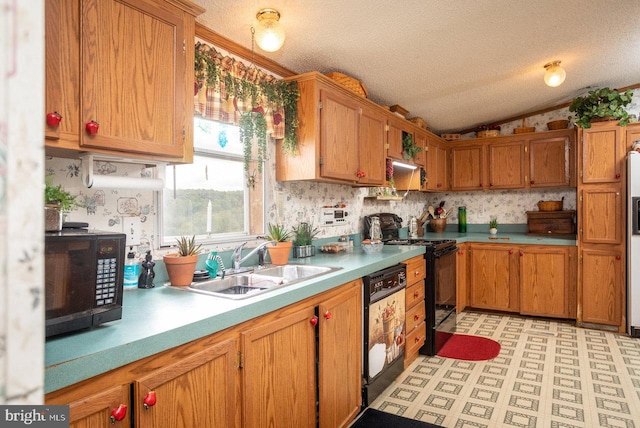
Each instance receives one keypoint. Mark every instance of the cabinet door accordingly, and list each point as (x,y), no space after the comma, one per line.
(339,361)
(544,281)
(279,372)
(494,277)
(95,410)
(437,179)
(549,162)
(62,71)
(420,141)
(602,154)
(507,163)
(394,139)
(602,287)
(339,136)
(198,391)
(467,167)
(601,216)
(462,292)
(372,141)
(134,76)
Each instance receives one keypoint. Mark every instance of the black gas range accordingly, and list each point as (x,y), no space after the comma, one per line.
(440,289)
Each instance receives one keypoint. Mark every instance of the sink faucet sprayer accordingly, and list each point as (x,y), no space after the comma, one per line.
(237,259)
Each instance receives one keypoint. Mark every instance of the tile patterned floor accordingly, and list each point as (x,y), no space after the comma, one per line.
(548,374)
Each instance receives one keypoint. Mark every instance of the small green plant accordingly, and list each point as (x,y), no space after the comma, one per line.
(304,234)
(56,195)
(278,232)
(409,150)
(599,103)
(493,223)
(188,247)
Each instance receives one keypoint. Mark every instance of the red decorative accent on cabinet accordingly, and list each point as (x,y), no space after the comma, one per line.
(617,175)
(416,294)
(92,127)
(118,413)
(617,257)
(360,174)
(327,315)
(54,119)
(533,182)
(417,339)
(416,317)
(510,251)
(521,254)
(314,321)
(149,400)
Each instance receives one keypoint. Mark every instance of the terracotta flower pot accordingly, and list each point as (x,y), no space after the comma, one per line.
(279,253)
(180,269)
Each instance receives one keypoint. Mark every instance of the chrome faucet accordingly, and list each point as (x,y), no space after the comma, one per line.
(237,259)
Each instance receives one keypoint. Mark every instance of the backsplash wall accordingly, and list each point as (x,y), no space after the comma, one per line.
(291,202)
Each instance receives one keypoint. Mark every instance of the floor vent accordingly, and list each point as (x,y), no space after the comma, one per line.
(541,332)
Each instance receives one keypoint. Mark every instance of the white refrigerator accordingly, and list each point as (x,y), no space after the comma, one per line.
(633,243)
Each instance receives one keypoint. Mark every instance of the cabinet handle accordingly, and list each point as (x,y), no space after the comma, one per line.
(521,254)
(118,413)
(532,182)
(327,315)
(617,257)
(313,321)
(92,127)
(480,184)
(617,176)
(54,119)
(416,294)
(510,251)
(416,317)
(149,400)
(416,273)
(461,253)
(490,184)
(360,174)
(417,339)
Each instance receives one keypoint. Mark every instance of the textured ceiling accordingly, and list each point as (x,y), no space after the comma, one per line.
(458,63)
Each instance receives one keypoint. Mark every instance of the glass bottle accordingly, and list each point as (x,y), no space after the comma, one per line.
(375,231)
(462,219)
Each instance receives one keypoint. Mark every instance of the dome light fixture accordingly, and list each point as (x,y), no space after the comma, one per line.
(269,32)
(555,75)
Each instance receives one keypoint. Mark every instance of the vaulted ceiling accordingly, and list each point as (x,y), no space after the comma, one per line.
(456,63)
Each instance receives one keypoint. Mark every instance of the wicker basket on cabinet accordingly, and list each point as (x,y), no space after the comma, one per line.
(354,85)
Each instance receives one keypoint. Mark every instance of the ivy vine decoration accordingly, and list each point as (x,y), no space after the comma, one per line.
(409,150)
(252,126)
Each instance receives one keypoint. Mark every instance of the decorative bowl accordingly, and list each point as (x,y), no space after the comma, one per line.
(372,247)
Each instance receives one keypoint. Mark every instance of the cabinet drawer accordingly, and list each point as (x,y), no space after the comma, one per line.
(416,270)
(415,316)
(416,338)
(414,294)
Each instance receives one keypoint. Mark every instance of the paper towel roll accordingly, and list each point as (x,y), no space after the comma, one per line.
(109,182)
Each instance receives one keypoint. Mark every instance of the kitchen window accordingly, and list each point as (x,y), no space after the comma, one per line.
(213,198)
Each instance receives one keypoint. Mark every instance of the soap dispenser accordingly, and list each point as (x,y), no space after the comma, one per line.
(131,271)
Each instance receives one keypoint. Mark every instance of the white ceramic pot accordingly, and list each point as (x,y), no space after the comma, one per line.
(493,230)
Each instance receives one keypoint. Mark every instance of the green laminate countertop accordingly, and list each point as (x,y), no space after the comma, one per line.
(164,317)
(504,238)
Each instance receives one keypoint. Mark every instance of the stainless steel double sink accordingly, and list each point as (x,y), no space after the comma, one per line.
(249,284)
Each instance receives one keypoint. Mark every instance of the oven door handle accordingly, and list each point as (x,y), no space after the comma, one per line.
(445,251)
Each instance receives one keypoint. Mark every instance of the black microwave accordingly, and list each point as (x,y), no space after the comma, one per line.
(83,279)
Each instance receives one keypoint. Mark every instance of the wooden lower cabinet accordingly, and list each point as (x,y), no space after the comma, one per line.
(537,280)
(276,370)
(602,292)
(415,310)
(547,281)
(493,277)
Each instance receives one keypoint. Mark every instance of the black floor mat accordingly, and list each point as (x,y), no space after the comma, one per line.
(372,418)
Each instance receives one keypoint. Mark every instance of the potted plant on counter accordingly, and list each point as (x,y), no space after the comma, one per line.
(182,265)
(304,234)
(279,253)
(493,225)
(601,105)
(57,203)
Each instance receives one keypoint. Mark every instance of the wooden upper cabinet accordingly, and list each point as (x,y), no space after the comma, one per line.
(633,134)
(437,166)
(339,136)
(602,154)
(397,130)
(507,165)
(468,167)
(601,215)
(551,162)
(420,139)
(135,78)
(62,71)
(372,140)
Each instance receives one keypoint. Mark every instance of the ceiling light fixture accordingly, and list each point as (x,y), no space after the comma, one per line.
(555,75)
(269,31)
